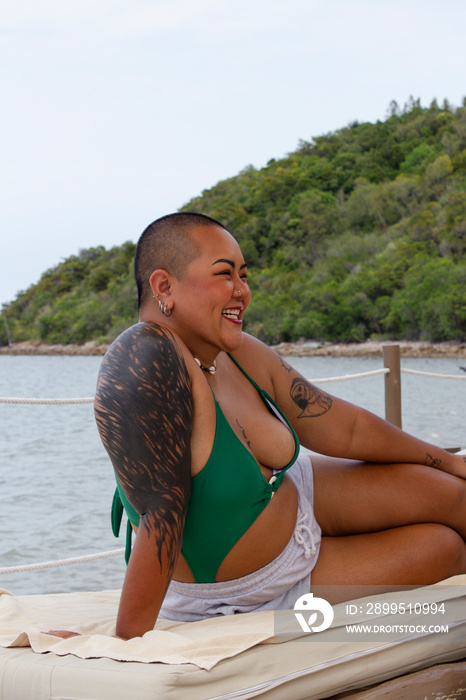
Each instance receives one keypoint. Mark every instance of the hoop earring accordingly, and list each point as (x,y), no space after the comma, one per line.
(163,309)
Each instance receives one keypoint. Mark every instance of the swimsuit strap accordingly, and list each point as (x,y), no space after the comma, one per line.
(256,386)
(273,408)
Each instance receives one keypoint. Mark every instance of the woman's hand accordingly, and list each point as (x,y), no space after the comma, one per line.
(66,634)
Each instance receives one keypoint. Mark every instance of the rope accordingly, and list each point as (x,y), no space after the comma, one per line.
(432,374)
(320,380)
(61,562)
(9,399)
(347,377)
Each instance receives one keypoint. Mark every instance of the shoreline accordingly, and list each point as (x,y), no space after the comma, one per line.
(304,348)
(372,348)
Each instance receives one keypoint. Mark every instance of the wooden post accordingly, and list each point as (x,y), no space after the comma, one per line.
(391,360)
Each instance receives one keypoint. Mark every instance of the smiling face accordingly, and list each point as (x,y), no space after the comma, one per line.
(211,298)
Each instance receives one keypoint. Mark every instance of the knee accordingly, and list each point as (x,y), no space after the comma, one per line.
(458,495)
(450,552)
(446,496)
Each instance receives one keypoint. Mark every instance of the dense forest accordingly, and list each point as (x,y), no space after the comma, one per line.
(357,234)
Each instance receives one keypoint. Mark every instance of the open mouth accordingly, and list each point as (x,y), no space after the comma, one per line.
(232,314)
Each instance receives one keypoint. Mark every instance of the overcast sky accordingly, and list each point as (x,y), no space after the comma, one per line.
(115,112)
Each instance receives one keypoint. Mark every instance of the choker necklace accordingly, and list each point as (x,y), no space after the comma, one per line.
(210,369)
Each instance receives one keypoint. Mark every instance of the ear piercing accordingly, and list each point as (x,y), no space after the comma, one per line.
(163,308)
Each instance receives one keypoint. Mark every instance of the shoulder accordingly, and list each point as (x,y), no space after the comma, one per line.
(144,345)
(252,347)
(144,358)
(260,362)
(148,339)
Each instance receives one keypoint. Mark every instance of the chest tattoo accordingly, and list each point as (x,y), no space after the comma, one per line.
(244,433)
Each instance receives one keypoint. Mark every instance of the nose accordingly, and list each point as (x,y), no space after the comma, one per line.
(242,286)
(241,290)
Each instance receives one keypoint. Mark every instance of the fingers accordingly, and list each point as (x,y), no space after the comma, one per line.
(66,634)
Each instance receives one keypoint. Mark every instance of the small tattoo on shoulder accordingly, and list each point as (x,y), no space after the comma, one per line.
(431,461)
(312,401)
(285,365)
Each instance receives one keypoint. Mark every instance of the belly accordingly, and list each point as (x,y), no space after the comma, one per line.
(263,541)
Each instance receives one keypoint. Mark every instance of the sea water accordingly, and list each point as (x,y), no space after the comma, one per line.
(57,483)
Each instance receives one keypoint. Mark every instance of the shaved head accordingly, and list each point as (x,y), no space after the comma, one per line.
(167,244)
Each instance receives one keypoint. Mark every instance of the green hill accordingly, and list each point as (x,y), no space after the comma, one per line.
(358,234)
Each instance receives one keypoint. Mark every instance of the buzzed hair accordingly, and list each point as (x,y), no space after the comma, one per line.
(167,244)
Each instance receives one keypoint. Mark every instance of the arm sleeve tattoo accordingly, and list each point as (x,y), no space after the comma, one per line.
(144,413)
(309,399)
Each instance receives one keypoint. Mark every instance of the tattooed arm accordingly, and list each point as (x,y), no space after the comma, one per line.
(338,428)
(335,427)
(144,414)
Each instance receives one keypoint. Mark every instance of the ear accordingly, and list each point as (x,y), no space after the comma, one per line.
(160,283)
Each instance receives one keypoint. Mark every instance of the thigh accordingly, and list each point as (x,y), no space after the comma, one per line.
(414,555)
(358,497)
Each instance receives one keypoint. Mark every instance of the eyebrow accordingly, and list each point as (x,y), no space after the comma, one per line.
(229,262)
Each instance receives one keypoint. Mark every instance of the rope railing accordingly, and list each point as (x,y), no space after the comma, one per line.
(347,377)
(61,562)
(11,399)
(318,380)
(433,374)
(50,402)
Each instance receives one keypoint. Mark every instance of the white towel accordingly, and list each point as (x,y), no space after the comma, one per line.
(24,619)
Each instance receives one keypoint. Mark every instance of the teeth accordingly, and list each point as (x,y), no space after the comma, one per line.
(231,313)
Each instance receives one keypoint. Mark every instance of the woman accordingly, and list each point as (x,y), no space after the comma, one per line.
(203,425)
